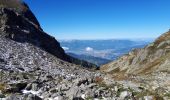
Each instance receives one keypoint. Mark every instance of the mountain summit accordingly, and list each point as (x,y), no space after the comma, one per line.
(19,24)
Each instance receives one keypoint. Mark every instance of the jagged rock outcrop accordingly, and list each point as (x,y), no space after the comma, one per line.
(22,26)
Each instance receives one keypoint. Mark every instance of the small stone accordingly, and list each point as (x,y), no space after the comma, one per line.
(2,95)
(148,97)
(124,94)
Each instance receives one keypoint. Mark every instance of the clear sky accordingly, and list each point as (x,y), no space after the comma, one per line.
(102,19)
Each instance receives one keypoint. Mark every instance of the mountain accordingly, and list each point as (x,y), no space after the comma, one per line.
(154,57)
(106,49)
(101,51)
(96,60)
(33,66)
(150,64)
(23,27)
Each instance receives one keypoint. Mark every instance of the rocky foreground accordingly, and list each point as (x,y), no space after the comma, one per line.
(29,73)
(33,66)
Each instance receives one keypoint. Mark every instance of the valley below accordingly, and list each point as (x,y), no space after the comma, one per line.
(101,52)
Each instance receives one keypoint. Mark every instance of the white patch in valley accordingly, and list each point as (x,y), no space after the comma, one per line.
(88,49)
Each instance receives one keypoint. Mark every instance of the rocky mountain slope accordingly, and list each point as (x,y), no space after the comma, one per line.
(29,70)
(149,65)
(152,58)
(30,73)
(34,67)
(19,24)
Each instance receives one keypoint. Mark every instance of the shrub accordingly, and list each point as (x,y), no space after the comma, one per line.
(98,79)
(2,86)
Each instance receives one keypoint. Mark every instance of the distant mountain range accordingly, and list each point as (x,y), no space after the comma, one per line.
(101,51)
(96,60)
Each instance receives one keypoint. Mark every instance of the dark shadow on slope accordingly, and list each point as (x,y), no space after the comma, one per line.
(24,27)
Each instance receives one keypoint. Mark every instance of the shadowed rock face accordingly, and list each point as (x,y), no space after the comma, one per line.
(153,58)
(22,26)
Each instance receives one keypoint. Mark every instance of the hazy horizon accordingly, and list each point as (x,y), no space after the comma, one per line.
(133,39)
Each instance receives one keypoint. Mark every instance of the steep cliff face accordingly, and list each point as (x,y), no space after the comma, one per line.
(23,27)
(153,58)
(19,24)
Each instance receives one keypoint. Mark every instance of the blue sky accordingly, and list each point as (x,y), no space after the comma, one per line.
(102,19)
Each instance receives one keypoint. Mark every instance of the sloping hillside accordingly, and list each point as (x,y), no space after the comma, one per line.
(19,24)
(149,66)
(153,58)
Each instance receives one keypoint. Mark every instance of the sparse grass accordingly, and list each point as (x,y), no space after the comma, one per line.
(167,94)
(146,92)
(2,87)
(157,97)
(150,66)
(115,70)
(163,37)
(119,74)
(2,75)
(89,98)
(142,94)
(131,60)
(60,79)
